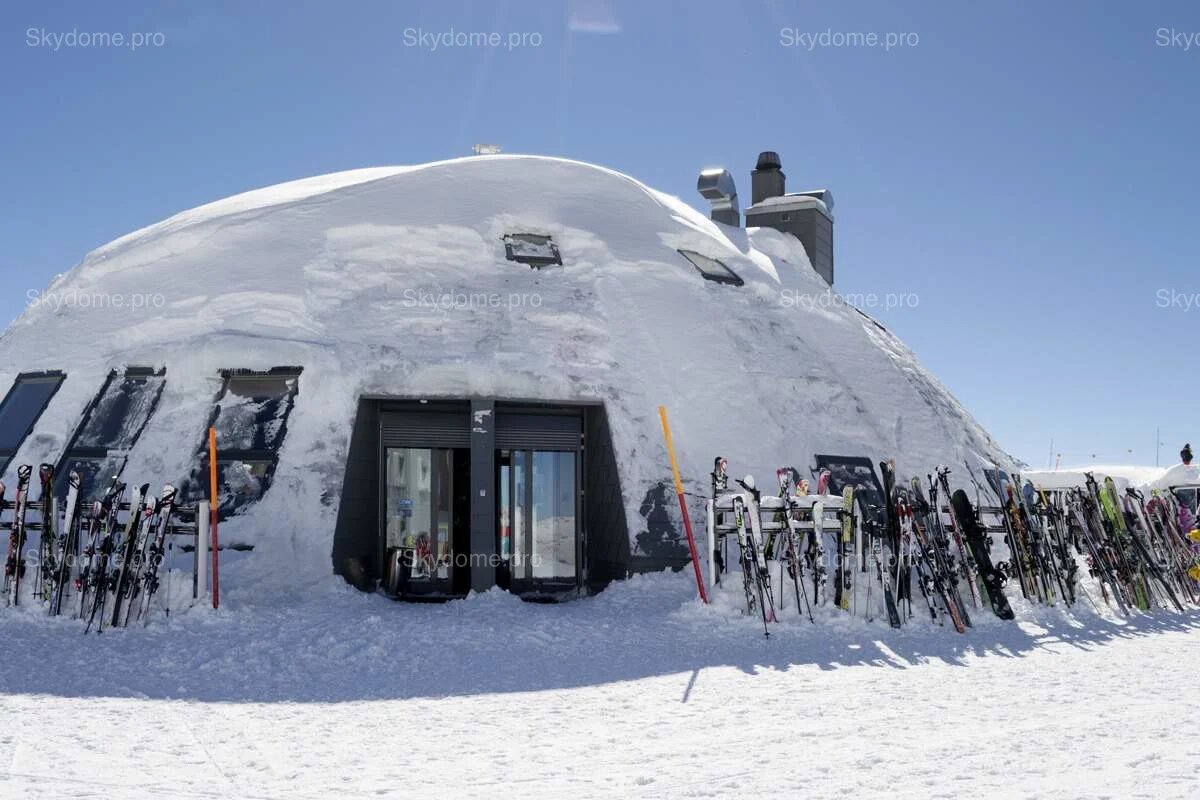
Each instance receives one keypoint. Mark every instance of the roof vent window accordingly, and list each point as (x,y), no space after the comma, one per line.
(711,268)
(533,249)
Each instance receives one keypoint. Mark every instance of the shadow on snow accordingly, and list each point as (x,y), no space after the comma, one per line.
(333,644)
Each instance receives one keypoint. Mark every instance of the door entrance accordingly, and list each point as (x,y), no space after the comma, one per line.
(467,495)
(537,526)
(426,536)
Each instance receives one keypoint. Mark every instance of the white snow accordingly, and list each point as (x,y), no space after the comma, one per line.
(1178,475)
(639,692)
(1123,474)
(1075,477)
(789,202)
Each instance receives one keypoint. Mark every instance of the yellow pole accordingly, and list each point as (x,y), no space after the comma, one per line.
(213,501)
(687,522)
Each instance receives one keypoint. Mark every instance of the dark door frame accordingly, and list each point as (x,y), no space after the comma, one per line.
(478,415)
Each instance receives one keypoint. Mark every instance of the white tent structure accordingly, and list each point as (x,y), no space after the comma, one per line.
(461,358)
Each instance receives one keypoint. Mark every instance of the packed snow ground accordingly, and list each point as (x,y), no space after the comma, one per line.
(637,692)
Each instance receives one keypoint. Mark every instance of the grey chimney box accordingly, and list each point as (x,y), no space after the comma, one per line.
(717,187)
(806,215)
(768,179)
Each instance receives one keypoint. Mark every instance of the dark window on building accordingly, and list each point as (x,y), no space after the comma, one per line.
(711,268)
(250,415)
(24,403)
(530,248)
(110,428)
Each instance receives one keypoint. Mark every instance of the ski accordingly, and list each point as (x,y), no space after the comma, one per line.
(790,558)
(94,562)
(885,580)
(105,580)
(967,569)
(1112,523)
(46,542)
(887,469)
(820,568)
(756,541)
(155,551)
(14,565)
(750,583)
(1101,565)
(67,545)
(720,485)
(126,564)
(937,562)
(846,550)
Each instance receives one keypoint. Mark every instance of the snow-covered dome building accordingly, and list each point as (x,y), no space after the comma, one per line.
(465,358)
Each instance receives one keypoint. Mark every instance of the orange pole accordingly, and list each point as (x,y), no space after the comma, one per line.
(212,502)
(687,521)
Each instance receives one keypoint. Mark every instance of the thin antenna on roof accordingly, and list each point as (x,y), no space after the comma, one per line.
(486,149)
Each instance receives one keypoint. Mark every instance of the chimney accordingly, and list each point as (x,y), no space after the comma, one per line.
(717,187)
(806,215)
(768,179)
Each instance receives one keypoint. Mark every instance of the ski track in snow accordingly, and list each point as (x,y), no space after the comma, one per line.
(638,692)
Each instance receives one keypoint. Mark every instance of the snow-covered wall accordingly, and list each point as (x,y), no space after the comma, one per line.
(346,276)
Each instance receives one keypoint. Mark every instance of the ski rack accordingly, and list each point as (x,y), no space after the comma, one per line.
(996,525)
(32,505)
(720,525)
(192,521)
(189,521)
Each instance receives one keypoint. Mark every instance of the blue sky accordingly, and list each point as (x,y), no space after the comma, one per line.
(1027,169)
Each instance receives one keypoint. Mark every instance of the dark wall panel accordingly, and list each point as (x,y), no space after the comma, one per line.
(607,532)
(356,538)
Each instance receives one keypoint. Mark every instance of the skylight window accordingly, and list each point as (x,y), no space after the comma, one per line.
(24,403)
(250,415)
(533,249)
(711,268)
(110,428)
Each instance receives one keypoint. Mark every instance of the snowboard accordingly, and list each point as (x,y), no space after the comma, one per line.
(993,581)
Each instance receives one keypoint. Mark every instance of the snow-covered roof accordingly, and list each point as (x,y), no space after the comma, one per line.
(1077,478)
(1125,474)
(1178,475)
(394,282)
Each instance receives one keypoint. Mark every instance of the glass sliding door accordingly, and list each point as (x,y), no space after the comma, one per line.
(552,515)
(538,524)
(418,515)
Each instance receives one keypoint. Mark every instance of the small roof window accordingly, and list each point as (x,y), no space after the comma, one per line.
(533,249)
(711,268)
